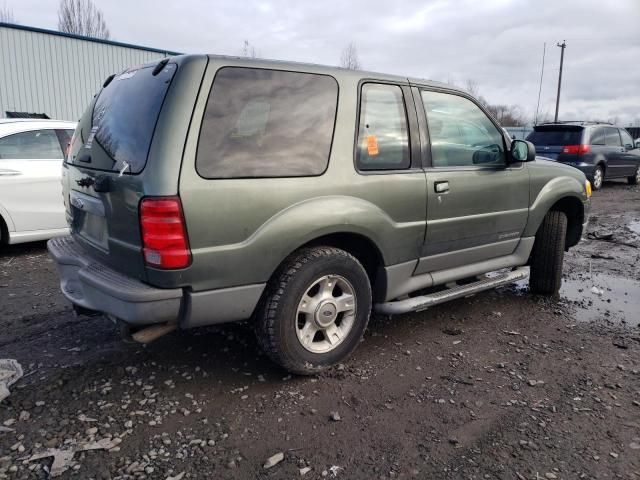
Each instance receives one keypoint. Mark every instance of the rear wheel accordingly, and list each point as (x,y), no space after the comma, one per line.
(548,254)
(635,179)
(597,179)
(315,310)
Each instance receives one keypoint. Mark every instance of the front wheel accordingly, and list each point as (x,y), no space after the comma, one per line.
(548,254)
(635,179)
(315,310)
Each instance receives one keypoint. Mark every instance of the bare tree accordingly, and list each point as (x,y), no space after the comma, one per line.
(6,15)
(82,17)
(349,58)
(472,87)
(249,50)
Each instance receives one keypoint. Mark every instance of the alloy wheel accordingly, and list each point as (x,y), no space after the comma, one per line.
(326,313)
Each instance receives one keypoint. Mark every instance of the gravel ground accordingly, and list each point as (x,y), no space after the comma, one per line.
(502,385)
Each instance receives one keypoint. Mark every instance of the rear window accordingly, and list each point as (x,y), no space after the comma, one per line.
(267,123)
(124,118)
(556,136)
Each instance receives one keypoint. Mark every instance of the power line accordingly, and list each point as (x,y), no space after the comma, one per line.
(544,48)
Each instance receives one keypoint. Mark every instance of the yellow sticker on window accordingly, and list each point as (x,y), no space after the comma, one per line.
(372,145)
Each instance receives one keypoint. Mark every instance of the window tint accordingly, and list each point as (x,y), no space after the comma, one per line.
(554,136)
(36,144)
(383,136)
(627,141)
(613,137)
(125,116)
(461,134)
(597,136)
(267,123)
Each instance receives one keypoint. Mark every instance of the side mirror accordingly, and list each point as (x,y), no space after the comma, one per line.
(637,144)
(522,151)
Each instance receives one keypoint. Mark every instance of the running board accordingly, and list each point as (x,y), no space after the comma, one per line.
(425,301)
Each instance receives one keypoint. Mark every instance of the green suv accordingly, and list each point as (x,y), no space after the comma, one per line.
(205,189)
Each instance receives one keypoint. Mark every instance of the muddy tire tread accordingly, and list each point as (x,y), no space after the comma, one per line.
(548,254)
(275,295)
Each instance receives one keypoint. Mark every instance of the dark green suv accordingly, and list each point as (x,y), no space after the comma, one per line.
(206,189)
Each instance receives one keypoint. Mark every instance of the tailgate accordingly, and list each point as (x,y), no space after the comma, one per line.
(110,165)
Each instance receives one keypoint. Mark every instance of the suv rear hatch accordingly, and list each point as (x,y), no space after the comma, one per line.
(557,142)
(125,149)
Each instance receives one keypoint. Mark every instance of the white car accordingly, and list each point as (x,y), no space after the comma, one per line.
(31,156)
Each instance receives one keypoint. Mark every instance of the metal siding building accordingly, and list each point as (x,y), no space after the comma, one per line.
(44,71)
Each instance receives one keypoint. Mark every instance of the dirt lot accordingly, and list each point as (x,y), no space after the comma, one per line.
(502,385)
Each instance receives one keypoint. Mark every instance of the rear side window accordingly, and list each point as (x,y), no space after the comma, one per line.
(124,118)
(556,136)
(613,137)
(597,137)
(267,123)
(383,135)
(33,145)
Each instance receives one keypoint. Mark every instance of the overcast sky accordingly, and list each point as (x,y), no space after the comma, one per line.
(497,43)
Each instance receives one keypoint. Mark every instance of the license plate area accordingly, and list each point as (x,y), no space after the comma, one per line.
(89,219)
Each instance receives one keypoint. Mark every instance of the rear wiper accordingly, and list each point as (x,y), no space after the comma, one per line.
(158,68)
(108,80)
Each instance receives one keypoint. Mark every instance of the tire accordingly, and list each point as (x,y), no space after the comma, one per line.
(548,254)
(597,178)
(299,333)
(634,179)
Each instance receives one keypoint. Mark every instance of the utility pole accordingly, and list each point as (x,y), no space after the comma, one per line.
(562,46)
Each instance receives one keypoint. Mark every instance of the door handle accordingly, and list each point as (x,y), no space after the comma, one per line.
(441,187)
(9,173)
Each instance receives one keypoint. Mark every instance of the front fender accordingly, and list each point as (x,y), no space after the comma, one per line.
(548,192)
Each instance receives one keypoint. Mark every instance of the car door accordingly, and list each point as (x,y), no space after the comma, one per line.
(616,163)
(30,188)
(630,156)
(477,203)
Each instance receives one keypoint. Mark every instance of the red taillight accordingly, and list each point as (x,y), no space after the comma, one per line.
(576,149)
(164,236)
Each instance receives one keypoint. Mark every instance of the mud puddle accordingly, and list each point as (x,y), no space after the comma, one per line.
(603,297)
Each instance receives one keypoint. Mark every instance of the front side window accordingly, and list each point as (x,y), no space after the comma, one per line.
(33,145)
(383,135)
(627,141)
(460,132)
(267,123)
(613,137)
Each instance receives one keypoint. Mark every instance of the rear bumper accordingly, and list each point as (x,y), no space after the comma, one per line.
(92,285)
(586,168)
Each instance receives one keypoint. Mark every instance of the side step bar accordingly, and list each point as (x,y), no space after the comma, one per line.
(425,301)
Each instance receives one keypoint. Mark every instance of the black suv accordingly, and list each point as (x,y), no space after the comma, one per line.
(601,150)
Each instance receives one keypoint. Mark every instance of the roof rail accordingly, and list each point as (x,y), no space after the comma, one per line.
(580,122)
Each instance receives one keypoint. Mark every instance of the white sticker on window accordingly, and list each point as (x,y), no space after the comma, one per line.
(89,141)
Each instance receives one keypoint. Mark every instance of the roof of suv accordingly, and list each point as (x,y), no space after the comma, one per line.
(333,71)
